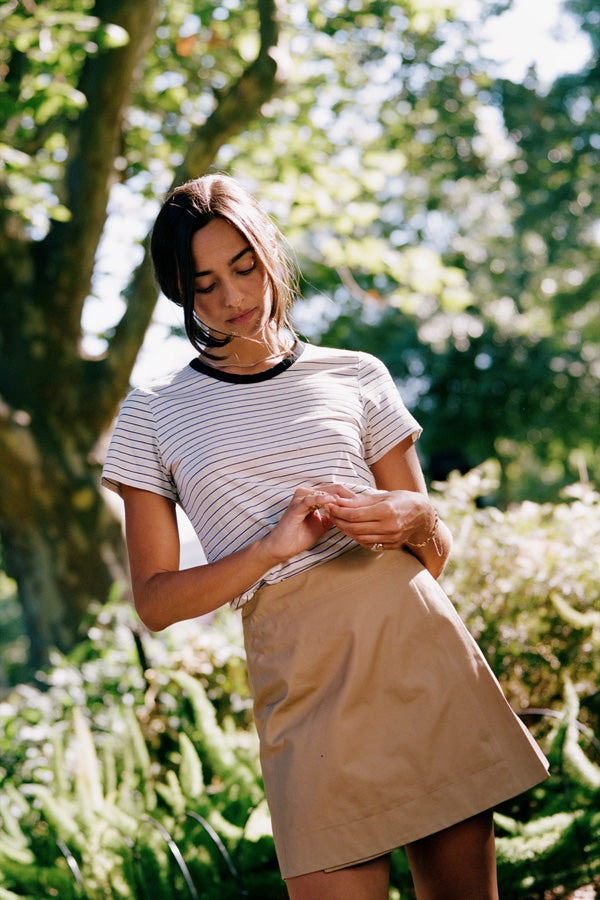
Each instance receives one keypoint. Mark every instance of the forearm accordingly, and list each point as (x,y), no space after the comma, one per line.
(172,596)
(164,594)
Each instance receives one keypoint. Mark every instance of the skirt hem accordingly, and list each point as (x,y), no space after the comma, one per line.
(341,846)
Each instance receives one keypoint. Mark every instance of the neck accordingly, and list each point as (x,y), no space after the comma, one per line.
(247,354)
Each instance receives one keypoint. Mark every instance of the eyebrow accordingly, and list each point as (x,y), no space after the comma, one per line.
(237,256)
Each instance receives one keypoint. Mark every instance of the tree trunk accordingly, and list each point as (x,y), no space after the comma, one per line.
(58,538)
(58,578)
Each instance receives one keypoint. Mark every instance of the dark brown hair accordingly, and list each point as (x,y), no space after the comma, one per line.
(190,207)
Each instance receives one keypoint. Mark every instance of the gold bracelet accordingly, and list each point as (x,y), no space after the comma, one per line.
(430,537)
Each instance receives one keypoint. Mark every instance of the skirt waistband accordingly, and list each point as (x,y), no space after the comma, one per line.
(341,574)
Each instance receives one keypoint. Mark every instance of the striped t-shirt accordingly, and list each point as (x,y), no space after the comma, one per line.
(232,449)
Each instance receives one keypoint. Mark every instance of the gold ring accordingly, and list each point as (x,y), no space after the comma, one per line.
(376,548)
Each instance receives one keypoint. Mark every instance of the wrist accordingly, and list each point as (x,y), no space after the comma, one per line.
(267,554)
(425,533)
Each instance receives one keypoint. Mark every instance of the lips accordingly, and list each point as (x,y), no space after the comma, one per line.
(242,317)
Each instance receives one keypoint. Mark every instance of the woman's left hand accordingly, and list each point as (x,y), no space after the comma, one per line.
(389,518)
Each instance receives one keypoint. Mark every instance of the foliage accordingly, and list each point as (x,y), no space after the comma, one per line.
(527,587)
(139,94)
(118,779)
(491,322)
(479,394)
(369,131)
(558,848)
(88,99)
(137,745)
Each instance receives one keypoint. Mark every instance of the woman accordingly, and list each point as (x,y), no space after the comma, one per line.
(380,723)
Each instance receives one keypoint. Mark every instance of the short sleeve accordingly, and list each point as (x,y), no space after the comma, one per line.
(133,455)
(387,420)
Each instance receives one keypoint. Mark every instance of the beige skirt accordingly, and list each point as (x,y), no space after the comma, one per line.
(379,720)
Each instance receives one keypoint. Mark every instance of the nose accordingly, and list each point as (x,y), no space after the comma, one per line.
(231,294)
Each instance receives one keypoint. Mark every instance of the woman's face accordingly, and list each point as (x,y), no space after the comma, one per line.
(232,293)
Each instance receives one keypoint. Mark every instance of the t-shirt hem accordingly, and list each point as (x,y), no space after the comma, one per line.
(114,485)
(414,432)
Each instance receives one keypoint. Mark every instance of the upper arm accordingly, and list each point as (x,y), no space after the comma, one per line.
(399,469)
(152,535)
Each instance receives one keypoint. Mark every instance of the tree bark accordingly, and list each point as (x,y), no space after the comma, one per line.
(58,539)
(236,109)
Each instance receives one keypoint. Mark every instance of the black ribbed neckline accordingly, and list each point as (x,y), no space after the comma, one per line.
(232,378)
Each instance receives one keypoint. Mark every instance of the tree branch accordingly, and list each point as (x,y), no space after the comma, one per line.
(236,109)
(66,257)
(106,381)
(241,103)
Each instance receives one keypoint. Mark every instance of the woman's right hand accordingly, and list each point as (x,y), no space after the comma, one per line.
(303,523)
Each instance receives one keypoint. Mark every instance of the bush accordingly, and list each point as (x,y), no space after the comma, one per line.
(526,583)
(133,772)
(121,781)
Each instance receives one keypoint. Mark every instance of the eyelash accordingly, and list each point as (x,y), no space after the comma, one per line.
(211,287)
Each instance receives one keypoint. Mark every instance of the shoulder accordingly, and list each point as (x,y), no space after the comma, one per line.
(337,354)
(358,361)
(330,356)
(165,388)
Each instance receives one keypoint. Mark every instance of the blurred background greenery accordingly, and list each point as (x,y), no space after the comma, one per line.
(129,769)
(444,215)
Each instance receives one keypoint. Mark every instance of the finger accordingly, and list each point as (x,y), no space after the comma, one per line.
(337,490)
(301,492)
(323,518)
(359,501)
(368,538)
(316,501)
(363,513)
(310,497)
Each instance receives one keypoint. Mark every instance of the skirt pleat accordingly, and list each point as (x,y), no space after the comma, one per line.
(379,720)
